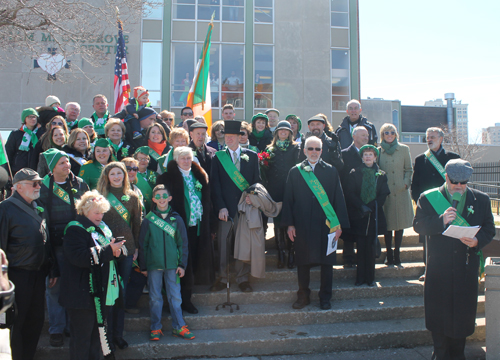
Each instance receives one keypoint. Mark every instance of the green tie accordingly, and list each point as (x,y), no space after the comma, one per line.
(236,161)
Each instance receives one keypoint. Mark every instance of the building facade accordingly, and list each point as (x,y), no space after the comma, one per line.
(491,135)
(460,115)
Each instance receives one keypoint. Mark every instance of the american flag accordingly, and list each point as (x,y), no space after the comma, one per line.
(121,84)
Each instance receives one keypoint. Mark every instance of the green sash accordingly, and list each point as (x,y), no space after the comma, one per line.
(232,171)
(118,206)
(153,154)
(312,181)
(162,224)
(440,204)
(57,190)
(435,162)
(164,160)
(146,189)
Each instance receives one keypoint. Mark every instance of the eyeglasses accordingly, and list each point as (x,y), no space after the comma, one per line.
(164,196)
(130,168)
(57,124)
(389,133)
(143,160)
(168,119)
(34,183)
(313,149)
(459,182)
(187,114)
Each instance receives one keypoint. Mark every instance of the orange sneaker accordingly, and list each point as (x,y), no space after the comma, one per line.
(184,333)
(155,335)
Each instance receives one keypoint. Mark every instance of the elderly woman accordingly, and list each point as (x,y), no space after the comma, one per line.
(296,124)
(178,137)
(114,130)
(101,156)
(88,125)
(124,220)
(395,160)
(88,282)
(188,183)
(244,142)
(261,135)
(285,155)
(217,136)
(365,193)
(78,149)
(57,139)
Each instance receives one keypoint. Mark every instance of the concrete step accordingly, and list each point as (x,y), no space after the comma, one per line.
(274,340)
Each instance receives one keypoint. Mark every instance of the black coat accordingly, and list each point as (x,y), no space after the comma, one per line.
(279,167)
(19,159)
(75,285)
(203,264)
(45,114)
(351,159)
(75,165)
(205,159)
(225,193)
(331,151)
(344,132)
(359,223)
(127,150)
(261,144)
(425,175)
(451,286)
(302,210)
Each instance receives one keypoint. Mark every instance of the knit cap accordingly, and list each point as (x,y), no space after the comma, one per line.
(51,99)
(138,91)
(260,116)
(142,150)
(104,143)
(28,112)
(52,156)
(84,122)
(146,112)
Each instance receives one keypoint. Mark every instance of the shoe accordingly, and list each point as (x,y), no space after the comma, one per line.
(421,278)
(155,335)
(133,310)
(359,283)
(301,303)
(371,284)
(218,286)
(137,135)
(56,340)
(245,286)
(120,342)
(189,307)
(184,333)
(325,306)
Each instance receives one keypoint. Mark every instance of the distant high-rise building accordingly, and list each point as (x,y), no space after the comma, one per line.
(461,116)
(491,135)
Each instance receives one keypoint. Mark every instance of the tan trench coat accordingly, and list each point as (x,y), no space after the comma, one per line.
(250,240)
(398,207)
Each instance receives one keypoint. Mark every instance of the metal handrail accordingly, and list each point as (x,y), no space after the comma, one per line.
(493,200)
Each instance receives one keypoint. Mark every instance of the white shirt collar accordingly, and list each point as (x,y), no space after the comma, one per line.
(237,151)
(313,165)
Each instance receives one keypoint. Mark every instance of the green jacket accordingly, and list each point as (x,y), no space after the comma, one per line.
(160,251)
(90,173)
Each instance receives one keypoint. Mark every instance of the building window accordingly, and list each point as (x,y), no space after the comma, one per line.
(182,72)
(263,77)
(153,13)
(263,10)
(151,71)
(340,79)
(232,75)
(231,10)
(340,13)
(184,9)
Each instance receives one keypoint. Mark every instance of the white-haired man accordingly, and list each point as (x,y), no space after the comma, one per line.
(72,113)
(351,121)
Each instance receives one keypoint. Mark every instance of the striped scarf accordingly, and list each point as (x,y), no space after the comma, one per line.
(28,137)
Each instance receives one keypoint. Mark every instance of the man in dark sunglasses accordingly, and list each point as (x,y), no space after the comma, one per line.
(186,113)
(450,289)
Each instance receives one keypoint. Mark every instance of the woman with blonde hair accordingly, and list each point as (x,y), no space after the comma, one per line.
(124,220)
(217,135)
(178,137)
(114,131)
(78,149)
(57,139)
(395,160)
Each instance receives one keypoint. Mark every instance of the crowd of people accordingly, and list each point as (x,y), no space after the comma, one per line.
(105,205)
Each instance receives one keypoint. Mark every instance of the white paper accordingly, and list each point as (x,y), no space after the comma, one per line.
(458,232)
(332,243)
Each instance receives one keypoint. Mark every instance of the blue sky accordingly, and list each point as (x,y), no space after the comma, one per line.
(419,50)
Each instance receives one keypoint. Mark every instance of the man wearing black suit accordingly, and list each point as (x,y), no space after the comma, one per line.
(226,195)
(425,175)
(204,153)
(351,158)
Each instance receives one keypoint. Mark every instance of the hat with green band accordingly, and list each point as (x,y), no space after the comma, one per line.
(52,156)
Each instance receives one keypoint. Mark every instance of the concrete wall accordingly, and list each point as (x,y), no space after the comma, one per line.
(380,112)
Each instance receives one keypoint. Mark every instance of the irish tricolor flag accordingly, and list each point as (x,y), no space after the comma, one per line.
(199,94)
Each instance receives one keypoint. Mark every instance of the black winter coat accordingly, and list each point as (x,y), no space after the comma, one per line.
(261,144)
(73,153)
(344,132)
(203,264)
(205,159)
(352,190)
(279,167)
(352,160)
(451,286)
(19,159)
(302,210)
(45,114)
(331,151)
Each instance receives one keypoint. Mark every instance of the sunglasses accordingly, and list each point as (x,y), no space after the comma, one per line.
(34,183)
(313,148)
(187,114)
(389,133)
(459,182)
(158,196)
(130,168)
(57,124)
(168,119)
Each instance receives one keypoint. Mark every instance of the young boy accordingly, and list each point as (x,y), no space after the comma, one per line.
(135,104)
(163,254)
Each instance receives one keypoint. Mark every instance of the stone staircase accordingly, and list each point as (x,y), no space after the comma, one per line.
(390,314)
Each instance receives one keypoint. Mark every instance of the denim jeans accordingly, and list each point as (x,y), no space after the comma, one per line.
(116,314)
(173,296)
(57,314)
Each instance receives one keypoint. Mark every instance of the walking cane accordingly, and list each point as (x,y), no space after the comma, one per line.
(229,239)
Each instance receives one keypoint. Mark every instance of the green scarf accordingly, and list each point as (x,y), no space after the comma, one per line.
(165,211)
(389,148)
(461,203)
(368,185)
(282,144)
(258,134)
(28,137)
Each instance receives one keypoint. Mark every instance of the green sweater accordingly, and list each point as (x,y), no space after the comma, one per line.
(160,251)
(90,173)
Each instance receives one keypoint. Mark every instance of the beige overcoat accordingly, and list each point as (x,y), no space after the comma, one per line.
(398,207)
(250,241)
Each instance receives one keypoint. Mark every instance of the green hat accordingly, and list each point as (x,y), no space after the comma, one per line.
(28,112)
(260,116)
(104,143)
(368,146)
(142,149)
(84,122)
(52,156)
(298,120)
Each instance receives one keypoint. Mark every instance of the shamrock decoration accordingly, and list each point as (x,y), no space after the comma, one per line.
(124,152)
(197,186)
(99,122)
(25,138)
(40,209)
(470,210)
(172,218)
(91,229)
(74,191)
(245,157)
(308,168)
(125,198)
(378,173)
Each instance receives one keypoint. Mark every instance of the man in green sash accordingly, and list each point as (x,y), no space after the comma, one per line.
(313,208)
(233,170)
(451,281)
(60,189)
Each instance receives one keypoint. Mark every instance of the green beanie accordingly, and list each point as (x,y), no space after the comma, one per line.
(260,116)
(28,112)
(299,122)
(52,156)
(104,143)
(366,147)
(143,150)
(84,122)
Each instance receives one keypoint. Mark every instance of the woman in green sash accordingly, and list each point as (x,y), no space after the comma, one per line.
(365,194)
(101,156)
(157,143)
(88,282)
(114,130)
(124,220)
